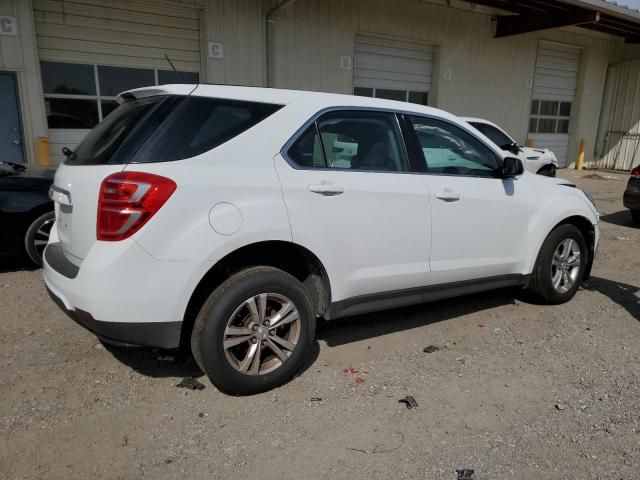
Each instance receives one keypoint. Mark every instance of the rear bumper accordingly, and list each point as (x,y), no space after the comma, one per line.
(121,293)
(157,334)
(631,200)
(631,197)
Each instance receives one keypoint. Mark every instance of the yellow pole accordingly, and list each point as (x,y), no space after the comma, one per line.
(580,162)
(42,151)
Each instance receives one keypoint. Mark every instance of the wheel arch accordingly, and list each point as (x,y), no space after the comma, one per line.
(588,232)
(287,256)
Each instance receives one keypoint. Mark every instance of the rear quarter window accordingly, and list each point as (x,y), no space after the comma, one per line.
(167,128)
(200,124)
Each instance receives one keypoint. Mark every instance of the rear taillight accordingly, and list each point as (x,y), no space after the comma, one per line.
(128,200)
(635,172)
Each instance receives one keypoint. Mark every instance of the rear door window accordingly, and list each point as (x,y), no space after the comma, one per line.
(352,140)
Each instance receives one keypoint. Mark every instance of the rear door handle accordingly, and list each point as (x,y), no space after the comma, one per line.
(448,196)
(327,189)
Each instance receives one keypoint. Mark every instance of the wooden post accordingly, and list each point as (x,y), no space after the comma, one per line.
(580,161)
(42,151)
(530,142)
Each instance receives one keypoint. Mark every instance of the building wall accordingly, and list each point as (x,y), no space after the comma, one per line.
(239,26)
(619,131)
(489,76)
(18,54)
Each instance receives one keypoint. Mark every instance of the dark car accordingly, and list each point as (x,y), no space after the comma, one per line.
(631,198)
(26,211)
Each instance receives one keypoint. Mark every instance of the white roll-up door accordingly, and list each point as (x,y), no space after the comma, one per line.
(90,50)
(554,92)
(393,69)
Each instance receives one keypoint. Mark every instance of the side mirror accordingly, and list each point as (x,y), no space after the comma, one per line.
(67,152)
(511,147)
(512,167)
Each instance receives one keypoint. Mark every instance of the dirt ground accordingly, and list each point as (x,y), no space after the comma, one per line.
(516,390)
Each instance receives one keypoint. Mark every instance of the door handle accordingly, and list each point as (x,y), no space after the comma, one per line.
(327,189)
(448,196)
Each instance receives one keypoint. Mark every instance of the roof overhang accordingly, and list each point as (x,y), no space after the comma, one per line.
(534,15)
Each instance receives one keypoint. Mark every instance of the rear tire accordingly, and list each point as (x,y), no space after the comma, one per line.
(558,271)
(37,236)
(261,310)
(635,216)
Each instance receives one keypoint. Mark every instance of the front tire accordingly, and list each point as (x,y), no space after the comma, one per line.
(560,266)
(37,237)
(255,331)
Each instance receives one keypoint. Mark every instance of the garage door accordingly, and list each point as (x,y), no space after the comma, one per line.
(554,92)
(392,69)
(91,50)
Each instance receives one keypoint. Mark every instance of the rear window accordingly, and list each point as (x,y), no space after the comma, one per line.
(102,143)
(162,129)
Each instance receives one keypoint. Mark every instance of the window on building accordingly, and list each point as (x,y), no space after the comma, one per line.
(79,96)
(410,96)
(549,116)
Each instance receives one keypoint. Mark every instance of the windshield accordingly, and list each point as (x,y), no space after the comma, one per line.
(494,134)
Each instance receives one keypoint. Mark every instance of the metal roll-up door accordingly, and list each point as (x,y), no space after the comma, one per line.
(554,92)
(392,69)
(91,49)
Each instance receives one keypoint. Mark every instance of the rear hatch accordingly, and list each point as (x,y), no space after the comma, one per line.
(77,181)
(154,127)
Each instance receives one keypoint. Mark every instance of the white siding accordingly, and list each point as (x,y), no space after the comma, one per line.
(119,32)
(388,63)
(490,78)
(620,127)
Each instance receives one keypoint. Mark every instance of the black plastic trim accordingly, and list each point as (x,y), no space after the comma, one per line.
(153,334)
(413,296)
(54,256)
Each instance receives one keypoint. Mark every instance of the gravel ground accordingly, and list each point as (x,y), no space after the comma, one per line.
(515,390)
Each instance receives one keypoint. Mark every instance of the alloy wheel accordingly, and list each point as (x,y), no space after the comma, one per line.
(565,265)
(41,237)
(262,333)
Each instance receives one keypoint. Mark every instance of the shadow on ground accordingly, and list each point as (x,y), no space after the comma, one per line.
(625,295)
(15,263)
(621,218)
(353,329)
(157,363)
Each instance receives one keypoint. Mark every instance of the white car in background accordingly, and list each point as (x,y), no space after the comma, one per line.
(536,160)
(228,219)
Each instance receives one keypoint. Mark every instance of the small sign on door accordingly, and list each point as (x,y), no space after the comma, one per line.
(8,26)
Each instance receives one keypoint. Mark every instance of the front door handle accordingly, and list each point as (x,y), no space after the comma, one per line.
(448,196)
(326,189)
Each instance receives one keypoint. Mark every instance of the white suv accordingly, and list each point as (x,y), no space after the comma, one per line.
(230,218)
(536,160)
